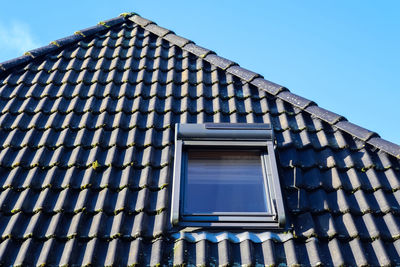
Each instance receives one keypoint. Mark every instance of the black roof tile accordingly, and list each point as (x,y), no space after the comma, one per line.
(86,137)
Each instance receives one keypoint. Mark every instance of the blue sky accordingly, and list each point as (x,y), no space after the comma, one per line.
(344,55)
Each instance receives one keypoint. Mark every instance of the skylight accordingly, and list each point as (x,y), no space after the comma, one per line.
(226,175)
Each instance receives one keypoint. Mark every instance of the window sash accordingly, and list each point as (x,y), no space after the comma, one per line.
(185,198)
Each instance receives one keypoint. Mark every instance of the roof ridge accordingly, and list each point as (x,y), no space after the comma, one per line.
(276,90)
(227,65)
(60,43)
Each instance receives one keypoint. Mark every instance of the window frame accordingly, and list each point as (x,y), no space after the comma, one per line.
(199,216)
(236,137)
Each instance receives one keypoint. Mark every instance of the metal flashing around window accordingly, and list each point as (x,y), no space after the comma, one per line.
(218,140)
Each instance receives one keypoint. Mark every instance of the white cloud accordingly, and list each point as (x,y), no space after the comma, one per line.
(15,37)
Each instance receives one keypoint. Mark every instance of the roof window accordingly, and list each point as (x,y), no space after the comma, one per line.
(226,175)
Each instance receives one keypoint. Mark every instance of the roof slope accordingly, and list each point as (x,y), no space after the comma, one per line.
(86,136)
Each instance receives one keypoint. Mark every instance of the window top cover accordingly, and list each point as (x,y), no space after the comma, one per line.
(225,174)
(224,131)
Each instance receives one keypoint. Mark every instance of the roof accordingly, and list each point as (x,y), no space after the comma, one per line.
(87,133)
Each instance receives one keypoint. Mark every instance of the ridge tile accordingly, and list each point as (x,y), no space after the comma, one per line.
(355,130)
(92,30)
(140,21)
(114,21)
(324,114)
(177,40)
(387,146)
(218,61)
(154,28)
(14,62)
(242,73)
(268,86)
(43,50)
(197,50)
(295,100)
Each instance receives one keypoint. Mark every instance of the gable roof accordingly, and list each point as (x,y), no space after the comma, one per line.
(86,137)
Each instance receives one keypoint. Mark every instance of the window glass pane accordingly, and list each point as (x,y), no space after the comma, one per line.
(224,181)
